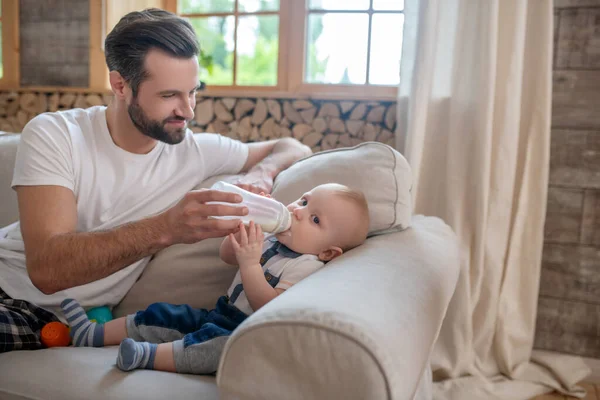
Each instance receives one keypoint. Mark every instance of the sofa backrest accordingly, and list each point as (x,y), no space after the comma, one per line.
(9,211)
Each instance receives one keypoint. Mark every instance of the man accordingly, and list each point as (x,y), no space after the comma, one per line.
(101,190)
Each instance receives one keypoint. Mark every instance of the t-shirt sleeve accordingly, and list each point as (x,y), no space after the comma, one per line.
(221,155)
(299,269)
(44,154)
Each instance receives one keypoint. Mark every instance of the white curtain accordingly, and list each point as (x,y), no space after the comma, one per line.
(474,122)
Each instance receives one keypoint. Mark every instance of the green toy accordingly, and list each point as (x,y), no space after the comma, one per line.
(100,314)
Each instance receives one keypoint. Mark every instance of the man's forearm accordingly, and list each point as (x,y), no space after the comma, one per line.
(73,259)
(285,153)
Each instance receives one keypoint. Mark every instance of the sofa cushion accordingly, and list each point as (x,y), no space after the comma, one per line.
(76,373)
(182,274)
(375,168)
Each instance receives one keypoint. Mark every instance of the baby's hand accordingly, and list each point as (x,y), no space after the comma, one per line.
(265,194)
(249,249)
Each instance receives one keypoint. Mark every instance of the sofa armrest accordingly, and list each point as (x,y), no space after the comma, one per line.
(362,327)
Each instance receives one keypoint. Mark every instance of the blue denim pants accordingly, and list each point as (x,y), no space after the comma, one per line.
(198,335)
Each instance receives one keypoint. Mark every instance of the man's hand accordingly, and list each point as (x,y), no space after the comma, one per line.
(249,248)
(188,221)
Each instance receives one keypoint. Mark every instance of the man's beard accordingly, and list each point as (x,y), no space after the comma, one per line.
(154,129)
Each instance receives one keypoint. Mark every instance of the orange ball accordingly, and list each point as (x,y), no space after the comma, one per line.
(55,334)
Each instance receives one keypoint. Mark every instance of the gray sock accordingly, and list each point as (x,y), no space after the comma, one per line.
(199,358)
(134,355)
(83,332)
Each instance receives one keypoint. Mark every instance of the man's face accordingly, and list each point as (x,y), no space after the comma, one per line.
(165,101)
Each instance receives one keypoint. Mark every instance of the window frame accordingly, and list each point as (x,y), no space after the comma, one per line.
(290,69)
(291,66)
(10,45)
(98,81)
(281,60)
(298,56)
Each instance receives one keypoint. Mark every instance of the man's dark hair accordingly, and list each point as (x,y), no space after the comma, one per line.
(137,33)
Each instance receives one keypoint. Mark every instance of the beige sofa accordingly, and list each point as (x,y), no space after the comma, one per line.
(363,327)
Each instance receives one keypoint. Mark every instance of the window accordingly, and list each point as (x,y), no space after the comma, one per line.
(353,42)
(239,40)
(298,47)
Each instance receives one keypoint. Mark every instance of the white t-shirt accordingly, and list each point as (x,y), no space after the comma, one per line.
(74,149)
(289,271)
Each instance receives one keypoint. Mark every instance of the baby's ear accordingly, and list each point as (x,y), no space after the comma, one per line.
(329,254)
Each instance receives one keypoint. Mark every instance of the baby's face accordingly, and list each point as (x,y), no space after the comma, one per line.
(319,219)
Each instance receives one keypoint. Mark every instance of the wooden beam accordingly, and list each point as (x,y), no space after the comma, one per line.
(10,49)
(296,44)
(98,76)
(170,5)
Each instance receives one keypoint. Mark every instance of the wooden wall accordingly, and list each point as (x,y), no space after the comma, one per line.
(54,42)
(569,304)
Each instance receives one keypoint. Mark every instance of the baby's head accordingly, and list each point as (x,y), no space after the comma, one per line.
(327,221)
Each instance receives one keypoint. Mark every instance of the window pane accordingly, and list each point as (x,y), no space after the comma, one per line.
(258,5)
(339,4)
(258,41)
(215,35)
(337,48)
(205,6)
(386,48)
(388,5)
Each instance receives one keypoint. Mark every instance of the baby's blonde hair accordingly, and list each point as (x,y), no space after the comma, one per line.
(358,199)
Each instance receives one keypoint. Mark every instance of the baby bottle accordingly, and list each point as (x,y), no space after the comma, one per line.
(271,215)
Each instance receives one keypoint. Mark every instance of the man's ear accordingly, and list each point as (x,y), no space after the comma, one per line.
(329,254)
(118,85)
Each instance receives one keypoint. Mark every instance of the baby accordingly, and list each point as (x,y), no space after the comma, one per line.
(326,221)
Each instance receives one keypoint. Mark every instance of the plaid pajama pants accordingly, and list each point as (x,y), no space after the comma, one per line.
(21,323)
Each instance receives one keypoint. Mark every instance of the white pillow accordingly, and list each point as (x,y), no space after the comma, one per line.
(381,172)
